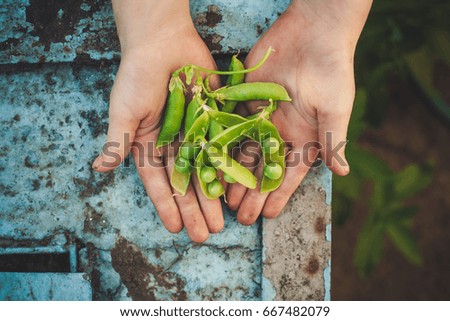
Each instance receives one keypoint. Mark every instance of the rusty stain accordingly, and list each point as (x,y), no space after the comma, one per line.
(94,185)
(313,266)
(211,18)
(319,226)
(94,222)
(143,279)
(213,41)
(16,117)
(259,30)
(54,19)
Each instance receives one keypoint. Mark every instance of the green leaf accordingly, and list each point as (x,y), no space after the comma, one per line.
(368,248)
(411,180)
(402,215)
(349,186)
(368,165)
(405,242)
(421,66)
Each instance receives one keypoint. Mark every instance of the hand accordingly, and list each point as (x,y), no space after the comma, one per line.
(157,37)
(314,43)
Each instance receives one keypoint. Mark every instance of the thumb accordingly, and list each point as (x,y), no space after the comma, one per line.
(121,132)
(333,125)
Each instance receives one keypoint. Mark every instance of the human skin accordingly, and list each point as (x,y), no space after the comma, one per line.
(314,43)
(156,38)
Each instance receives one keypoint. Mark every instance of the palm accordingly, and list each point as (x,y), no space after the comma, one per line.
(136,109)
(319,79)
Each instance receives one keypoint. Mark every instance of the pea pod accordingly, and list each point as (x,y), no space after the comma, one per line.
(252,91)
(233,133)
(180,181)
(220,160)
(214,128)
(233,80)
(273,161)
(200,163)
(174,113)
(196,134)
(226,119)
(192,111)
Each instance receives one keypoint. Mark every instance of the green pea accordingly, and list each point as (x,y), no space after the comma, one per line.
(227,178)
(174,113)
(189,150)
(271,145)
(215,188)
(273,171)
(208,174)
(253,91)
(182,165)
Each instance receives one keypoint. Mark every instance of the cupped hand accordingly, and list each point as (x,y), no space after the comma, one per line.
(313,46)
(136,108)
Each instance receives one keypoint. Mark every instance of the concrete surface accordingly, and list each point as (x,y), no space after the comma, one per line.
(53,120)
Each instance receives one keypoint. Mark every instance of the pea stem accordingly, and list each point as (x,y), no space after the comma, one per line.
(225,73)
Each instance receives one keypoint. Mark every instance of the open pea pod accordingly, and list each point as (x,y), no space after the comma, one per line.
(215,128)
(180,181)
(200,163)
(220,160)
(234,133)
(267,130)
(226,119)
(198,129)
(197,132)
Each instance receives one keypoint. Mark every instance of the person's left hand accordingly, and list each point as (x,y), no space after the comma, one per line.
(314,45)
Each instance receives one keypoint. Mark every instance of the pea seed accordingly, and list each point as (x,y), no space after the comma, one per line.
(182,165)
(208,174)
(189,150)
(271,145)
(273,171)
(215,188)
(227,178)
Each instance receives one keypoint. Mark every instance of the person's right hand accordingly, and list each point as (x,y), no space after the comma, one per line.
(157,37)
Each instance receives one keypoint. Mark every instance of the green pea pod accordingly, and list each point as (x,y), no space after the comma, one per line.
(174,113)
(233,133)
(233,80)
(265,130)
(226,119)
(214,127)
(197,132)
(220,160)
(192,111)
(200,163)
(180,181)
(252,91)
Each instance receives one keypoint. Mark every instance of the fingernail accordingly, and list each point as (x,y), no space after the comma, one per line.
(97,162)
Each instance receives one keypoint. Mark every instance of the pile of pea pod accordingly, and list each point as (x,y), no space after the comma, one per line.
(211,132)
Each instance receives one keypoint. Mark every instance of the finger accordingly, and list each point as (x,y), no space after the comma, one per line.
(121,132)
(298,163)
(157,185)
(211,209)
(253,201)
(333,124)
(248,156)
(191,213)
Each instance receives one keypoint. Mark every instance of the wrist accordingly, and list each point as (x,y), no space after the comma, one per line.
(142,22)
(341,19)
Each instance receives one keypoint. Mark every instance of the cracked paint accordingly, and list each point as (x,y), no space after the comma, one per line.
(85,30)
